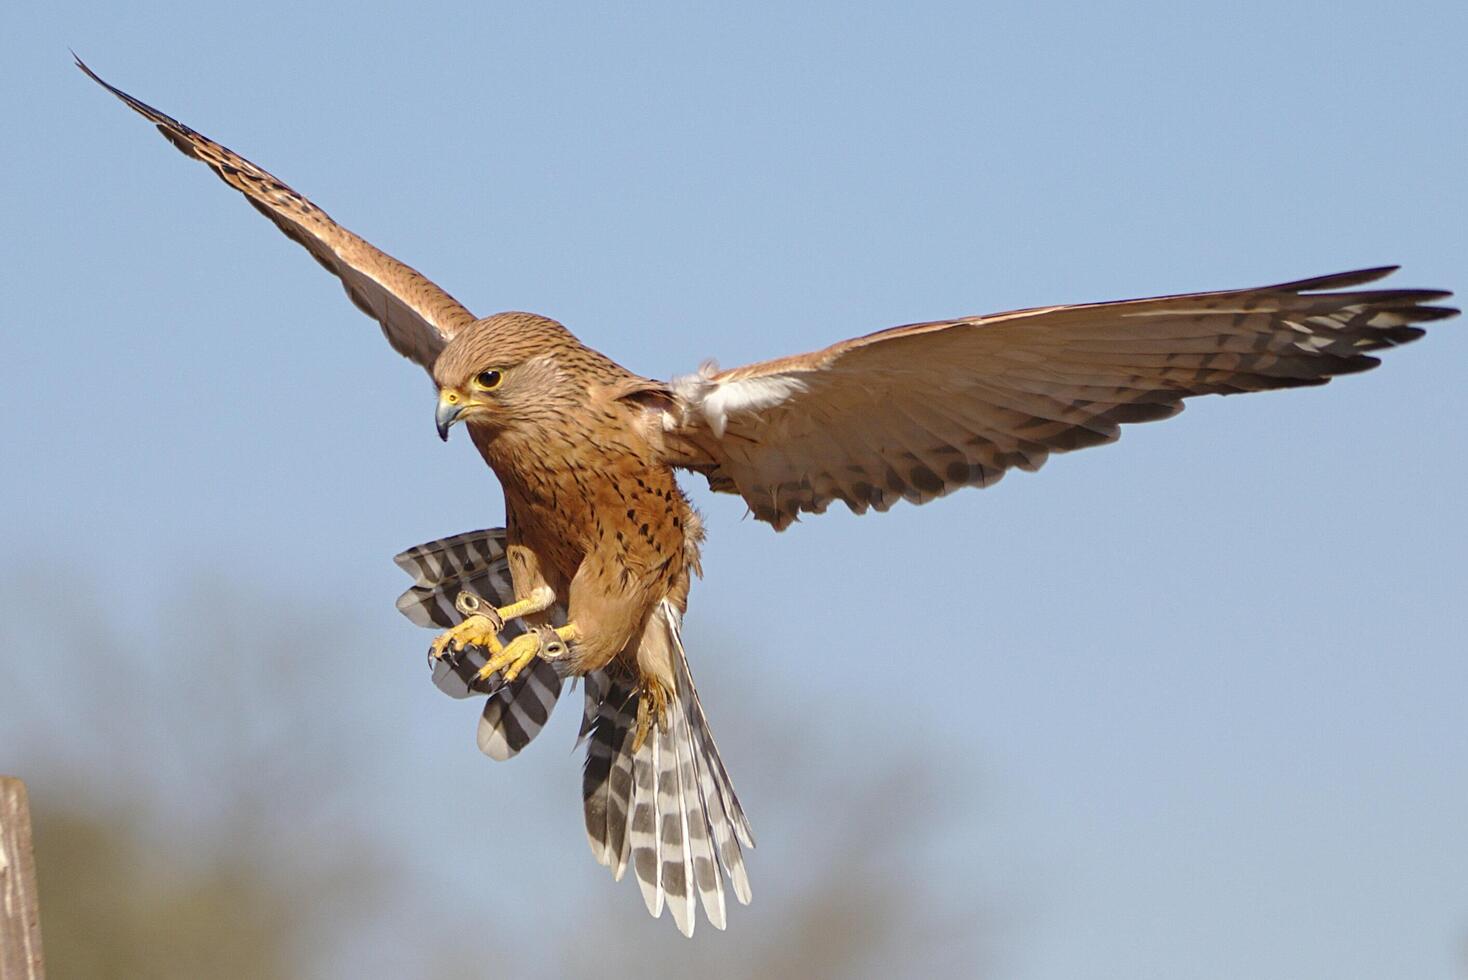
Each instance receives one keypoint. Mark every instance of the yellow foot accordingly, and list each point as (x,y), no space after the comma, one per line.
(477,630)
(652,709)
(542,641)
(483,623)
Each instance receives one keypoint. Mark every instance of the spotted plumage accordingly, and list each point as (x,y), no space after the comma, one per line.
(601,544)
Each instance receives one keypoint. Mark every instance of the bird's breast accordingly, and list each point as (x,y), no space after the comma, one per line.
(600,496)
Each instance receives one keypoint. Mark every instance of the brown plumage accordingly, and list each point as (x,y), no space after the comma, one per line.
(593,510)
(601,543)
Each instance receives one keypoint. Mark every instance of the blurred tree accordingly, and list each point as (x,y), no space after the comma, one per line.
(176,834)
(203,810)
(118,909)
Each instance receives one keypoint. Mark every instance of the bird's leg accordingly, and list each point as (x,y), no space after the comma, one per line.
(548,642)
(652,709)
(483,623)
(541,598)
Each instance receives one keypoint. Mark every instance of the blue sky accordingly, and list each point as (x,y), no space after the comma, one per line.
(1205,685)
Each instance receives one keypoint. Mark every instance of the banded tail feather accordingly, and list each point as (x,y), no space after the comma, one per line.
(515,713)
(667,808)
(606,780)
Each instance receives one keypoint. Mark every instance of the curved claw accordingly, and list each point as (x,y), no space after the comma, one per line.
(450,657)
(477,630)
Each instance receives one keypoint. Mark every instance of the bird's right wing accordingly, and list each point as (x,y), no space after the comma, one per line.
(417,316)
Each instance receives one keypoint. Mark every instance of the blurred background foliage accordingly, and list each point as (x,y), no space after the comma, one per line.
(199,811)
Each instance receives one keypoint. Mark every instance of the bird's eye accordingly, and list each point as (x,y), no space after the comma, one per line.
(488,380)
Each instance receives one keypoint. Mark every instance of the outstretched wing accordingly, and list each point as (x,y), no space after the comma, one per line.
(417,316)
(915,412)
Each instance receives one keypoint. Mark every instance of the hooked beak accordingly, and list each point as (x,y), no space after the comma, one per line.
(450,410)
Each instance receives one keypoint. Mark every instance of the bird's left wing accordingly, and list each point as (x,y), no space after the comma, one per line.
(918,411)
(417,316)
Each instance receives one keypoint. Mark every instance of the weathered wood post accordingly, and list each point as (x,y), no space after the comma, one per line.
(20,908)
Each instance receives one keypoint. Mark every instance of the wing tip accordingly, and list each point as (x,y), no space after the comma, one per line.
(492,742)
(1338,280)
(87,70)
(77,60)
(410,604)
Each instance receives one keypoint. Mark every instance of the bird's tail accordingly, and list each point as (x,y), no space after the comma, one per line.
(516,712)
(666,808)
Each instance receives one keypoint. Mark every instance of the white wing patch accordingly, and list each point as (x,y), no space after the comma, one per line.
(716,401)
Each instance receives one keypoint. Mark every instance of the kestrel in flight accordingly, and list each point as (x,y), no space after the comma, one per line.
(590,576)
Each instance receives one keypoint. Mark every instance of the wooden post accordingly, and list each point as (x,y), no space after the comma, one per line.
(20,908)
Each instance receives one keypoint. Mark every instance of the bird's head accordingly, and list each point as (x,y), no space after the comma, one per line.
(502,370)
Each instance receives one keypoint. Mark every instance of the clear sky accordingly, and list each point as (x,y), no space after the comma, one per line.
(1193,704)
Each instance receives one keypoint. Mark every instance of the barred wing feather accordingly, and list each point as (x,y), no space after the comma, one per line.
(417,317)
(515,713)
(915,412)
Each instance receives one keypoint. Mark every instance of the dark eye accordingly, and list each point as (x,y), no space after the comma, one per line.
(488,380)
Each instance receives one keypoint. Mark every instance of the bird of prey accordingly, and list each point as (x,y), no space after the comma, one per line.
(590,576)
